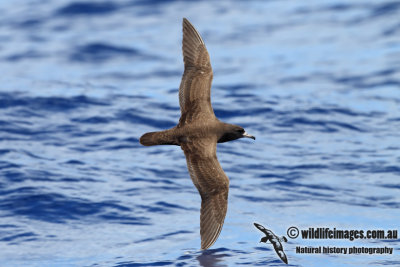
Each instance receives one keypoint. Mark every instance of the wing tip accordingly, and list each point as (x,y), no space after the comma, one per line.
(284,258)
(185,21)
(191,31)
(259,226)
(207,242)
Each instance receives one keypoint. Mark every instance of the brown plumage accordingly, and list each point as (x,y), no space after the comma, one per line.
(198,133)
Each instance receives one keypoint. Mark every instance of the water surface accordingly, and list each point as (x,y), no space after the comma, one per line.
(316,82)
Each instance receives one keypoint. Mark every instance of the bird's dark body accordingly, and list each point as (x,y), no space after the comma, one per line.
(198,133)
(216,130)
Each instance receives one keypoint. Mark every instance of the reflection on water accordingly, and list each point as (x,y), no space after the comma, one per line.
(212,258)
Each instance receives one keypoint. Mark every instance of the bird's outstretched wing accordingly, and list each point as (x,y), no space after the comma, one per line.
(194,91)
(261,228)
(212,184)
(281,254)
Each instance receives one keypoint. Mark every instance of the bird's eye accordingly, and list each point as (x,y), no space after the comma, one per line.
(241,130)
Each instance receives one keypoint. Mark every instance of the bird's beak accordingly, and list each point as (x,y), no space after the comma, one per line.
(248,136)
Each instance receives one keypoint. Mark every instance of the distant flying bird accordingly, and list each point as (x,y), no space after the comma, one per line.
(198,133)
(275,241)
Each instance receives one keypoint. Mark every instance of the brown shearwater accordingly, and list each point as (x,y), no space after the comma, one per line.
(198,133)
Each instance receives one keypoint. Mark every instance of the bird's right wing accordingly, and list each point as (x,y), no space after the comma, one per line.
(195,88)
(212,184)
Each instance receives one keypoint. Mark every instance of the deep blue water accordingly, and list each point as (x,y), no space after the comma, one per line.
(317,82)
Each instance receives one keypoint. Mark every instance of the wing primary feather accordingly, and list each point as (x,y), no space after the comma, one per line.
(260,227)
(212,218)
(213,186)
(189,27)
(195,87)
(193,48)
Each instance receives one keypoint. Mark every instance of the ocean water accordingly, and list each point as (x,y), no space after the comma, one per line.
(317,82)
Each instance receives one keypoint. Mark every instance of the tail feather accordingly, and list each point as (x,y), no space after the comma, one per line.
(158,138)
(149,139)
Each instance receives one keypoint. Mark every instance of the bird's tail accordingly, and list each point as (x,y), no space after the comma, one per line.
(158,138)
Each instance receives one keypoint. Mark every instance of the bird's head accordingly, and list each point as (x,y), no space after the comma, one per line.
(233,132)
(264,239)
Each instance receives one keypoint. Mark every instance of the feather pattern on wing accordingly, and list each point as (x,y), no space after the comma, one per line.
(212,184)
(194,91)
(261,228)
(281,255)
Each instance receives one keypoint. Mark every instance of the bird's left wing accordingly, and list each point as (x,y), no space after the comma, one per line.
(261,228)
(195,88)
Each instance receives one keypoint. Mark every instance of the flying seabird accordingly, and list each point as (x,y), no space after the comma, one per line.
(198,133)
(275,241)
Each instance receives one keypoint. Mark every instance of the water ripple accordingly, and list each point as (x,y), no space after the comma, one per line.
(87,9)
(99,52)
